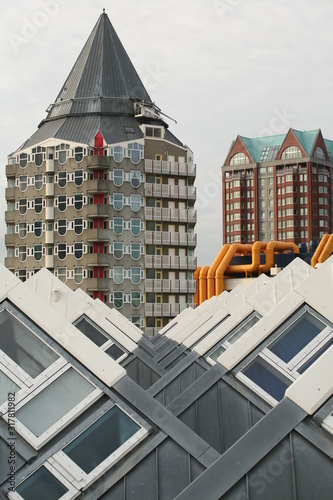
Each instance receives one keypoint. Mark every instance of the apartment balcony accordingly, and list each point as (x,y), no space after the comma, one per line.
(10,239)
(97,186)
(170,168)
(165,310)
(49,167)
(11,262)
(10,216)
(49,237)
(97,284)
(10,193)
(170,262)
(49,261)
(49,189)
(99,235)
(11,169)
(171,286)
(49,213)
(171,239)
(97,259)
(99,211)
(173,192)
(171,215)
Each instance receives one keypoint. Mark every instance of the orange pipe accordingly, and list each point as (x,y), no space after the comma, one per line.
(325,254)
(257,249)
(319,250)
(276,246)
(212,270)
(219,275)
(203,284)
(196,278)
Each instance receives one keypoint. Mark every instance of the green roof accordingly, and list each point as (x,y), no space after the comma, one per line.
(255,146)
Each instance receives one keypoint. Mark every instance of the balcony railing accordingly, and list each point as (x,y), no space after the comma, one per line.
(172,239)
(171,286)
(170,168)
(165,310)
(166,191)
(170,262)
(171,215)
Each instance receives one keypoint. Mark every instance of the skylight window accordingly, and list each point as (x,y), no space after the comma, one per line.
(22,347)
(99,446)
(53,405)
(289,352)
(100,338)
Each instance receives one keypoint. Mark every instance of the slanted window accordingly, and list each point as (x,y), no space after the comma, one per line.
(52,406)
(239,159)
(233,336)
(21,347)
(107,439)
(42,480)
(7,386)
(291,152)
(288,352)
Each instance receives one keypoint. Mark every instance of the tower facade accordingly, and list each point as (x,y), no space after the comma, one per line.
(278,188)
(103,193)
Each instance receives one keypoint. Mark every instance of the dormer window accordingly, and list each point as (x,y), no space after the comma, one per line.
(154,132)
(319,153)
(291,152)
(38,155)
(239,159)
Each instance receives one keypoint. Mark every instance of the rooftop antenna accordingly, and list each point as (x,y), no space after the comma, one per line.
(103,11)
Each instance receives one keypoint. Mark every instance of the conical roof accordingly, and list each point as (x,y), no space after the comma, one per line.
(103,79)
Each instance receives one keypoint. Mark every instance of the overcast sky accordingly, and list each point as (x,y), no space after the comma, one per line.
(219,67)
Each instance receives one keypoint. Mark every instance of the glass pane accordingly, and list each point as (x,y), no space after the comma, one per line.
(6,386)
(23,347)
(114,352)
(101,439)
(300,333)
(268,378)
(52,404)
(235,336)
(91,332)
(40,485)
(216,354)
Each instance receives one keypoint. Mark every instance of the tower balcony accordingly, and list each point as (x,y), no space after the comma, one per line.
(171,215)
(10,239)
(10,193)
(172,192)
(165,310)
(10,216)
(100,235)
(170,262)
(49,237)
(171,286)
(49,189)
(99,211)
(49,167)
(10,169)
(97,186)
(49,213)
(170,168)
(171,239)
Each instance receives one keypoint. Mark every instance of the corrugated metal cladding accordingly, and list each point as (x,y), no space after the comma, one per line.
(47,130)
(141,373)
(162,475)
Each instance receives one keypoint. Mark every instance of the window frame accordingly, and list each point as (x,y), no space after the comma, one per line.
(53,430)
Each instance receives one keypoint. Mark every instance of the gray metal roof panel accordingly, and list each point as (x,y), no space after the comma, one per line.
(46,131)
